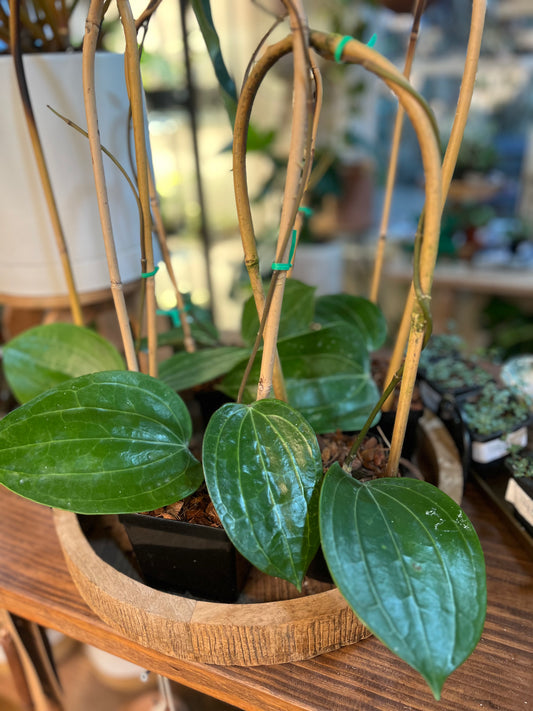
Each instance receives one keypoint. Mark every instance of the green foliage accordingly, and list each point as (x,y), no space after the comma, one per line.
(520,464)
(323,346)
(186,370)
(495,411)
(296,314)
(452,372)
(409,563)
(111,442)
(47,355)
(202,10)
(354,310)
(263,470)
(327,377)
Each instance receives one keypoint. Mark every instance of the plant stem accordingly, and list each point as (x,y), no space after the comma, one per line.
(14,27)
(146,14)
(135,92)
(424,126)
(393,159)
(240,182)
(188,340)
(300,128)
(92,29)
(449,162)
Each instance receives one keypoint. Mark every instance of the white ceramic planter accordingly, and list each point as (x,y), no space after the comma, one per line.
(30,270)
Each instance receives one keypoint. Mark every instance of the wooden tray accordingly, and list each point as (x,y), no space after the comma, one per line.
(270,624)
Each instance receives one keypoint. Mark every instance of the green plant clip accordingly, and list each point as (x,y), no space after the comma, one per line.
(307,211)
(145,275)
(172,314)
(285,266)
(337,56)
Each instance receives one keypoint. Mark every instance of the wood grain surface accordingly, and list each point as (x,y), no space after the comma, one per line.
(35,583)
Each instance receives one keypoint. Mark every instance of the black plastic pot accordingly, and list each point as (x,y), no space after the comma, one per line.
(519,494)
(386,423)
(433,393)
(186,558)
(484,452)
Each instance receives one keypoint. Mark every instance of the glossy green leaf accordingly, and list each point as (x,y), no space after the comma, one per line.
(186,370)
(202,10)
(263,470)
(45,356)
(112,442)
(327,376)
(354,310)
(409,563)
(296,314)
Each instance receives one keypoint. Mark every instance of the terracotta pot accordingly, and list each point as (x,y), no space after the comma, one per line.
(30,270)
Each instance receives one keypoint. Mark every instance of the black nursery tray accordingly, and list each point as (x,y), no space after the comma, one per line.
(495,486)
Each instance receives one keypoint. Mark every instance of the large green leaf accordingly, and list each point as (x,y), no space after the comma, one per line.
(112,442)
(186,370)
(409,563)
(45,356)
(296,314)
(263,470)
(202,10)
(354,310)
(327,376)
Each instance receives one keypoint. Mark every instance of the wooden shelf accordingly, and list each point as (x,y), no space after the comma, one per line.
(35,584)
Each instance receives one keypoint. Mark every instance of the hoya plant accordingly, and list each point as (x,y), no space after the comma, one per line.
(95,436)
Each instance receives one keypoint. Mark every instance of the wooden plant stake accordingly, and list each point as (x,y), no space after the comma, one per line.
(448,165)
(92,30)
(393,159)
(14,32)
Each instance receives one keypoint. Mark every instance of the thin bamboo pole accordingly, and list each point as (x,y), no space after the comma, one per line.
(448,166)
(92,30)
(74,300)
(240,182)
(135,92)
(393,159)
(300,129)
(430,151)
(188,340)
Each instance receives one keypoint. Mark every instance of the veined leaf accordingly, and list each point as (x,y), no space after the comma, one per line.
(296,313)
(263,470)
(202,10)
(45,356)
(327,376)
(111,442)
(409,563)
(186,370)
(334,402)
(355,310)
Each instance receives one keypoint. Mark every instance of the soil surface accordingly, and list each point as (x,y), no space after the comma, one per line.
(369,464)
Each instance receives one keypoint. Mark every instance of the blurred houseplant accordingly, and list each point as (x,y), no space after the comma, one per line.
(118,441)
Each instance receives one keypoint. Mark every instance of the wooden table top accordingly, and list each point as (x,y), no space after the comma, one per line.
(35,584)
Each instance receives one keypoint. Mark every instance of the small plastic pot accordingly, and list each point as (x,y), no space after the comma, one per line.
(186,558)
(519,493)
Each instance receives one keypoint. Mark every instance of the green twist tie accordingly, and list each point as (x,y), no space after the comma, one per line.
(284,267)
(173,314)
(372,41)
(337,56)
(145,275)
(307,211)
